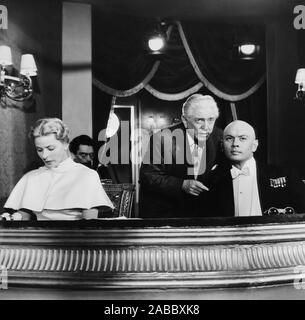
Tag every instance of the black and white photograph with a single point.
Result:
(152, 152)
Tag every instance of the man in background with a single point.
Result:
(82, 149)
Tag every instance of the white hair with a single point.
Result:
(200, 100)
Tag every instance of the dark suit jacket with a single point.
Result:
(221, 196)
(165, 167)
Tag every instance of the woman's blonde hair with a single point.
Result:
(46, 126)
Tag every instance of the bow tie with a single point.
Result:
(236, 172)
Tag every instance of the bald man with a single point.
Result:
(244, 187)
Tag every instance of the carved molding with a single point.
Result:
(159, 257)
(155, 259)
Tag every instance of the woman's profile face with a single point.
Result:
(51, 151)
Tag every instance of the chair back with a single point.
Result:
(121, 195)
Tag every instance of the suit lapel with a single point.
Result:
(222, 195)
(184, 152)
(229, 207)
(180, 148)
(210, 151)
(208, 155)
(262, 184)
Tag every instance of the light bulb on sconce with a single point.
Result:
(28, 66)
(16, 88)
(300, 81)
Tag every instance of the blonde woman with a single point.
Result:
(60, 190)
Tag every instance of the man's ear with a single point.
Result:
(254, 145)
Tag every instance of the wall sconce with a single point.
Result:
(300, 81)
(16, 88)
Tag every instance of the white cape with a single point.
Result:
(70, 185)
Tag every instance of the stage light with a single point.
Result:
(157, 37)
(247, 49)
(156, 42)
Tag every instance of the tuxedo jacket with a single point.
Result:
(221, 195)
(165, 166)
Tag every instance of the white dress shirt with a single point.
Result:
(246, 197)
(197, 154)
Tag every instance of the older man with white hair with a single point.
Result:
(172, 174)
(243, 186)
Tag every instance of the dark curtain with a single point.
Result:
(121, 61)
(254, 111)
(175, 73)
(212, 47)
(119, 57)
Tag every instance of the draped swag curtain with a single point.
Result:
(198, 59)
(197, 54)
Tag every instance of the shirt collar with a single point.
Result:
(64, 165)
(192, 143)
(250, 163)
(190, 140)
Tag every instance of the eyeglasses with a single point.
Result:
(276, 211)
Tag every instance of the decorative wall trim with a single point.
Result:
(155, 259)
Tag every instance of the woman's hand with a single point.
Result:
(25, 216)
(16, 216)
(5, 216)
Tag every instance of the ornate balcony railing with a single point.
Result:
(153, 254)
